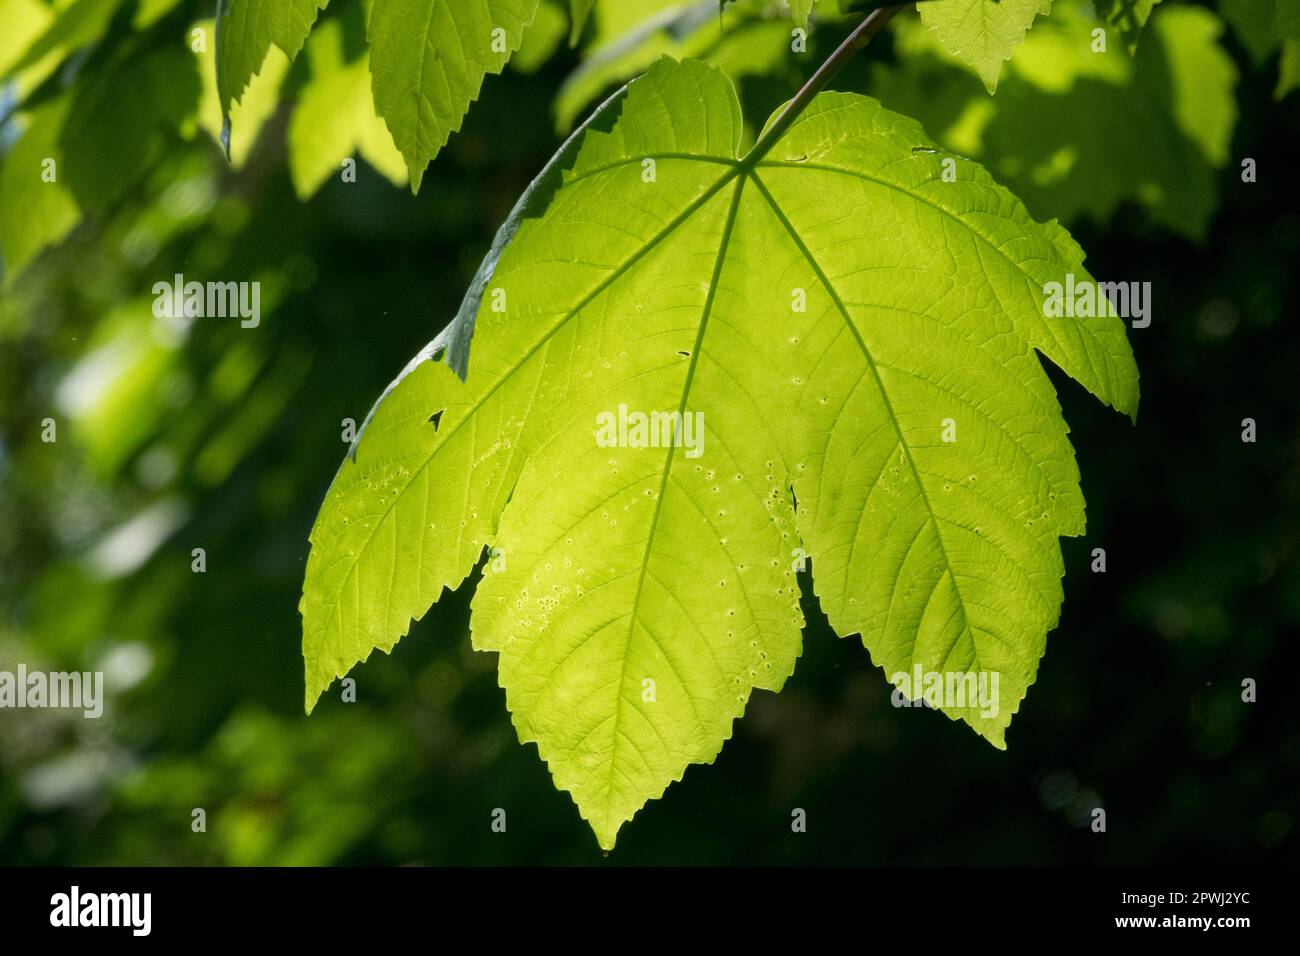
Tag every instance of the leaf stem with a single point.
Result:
(854, 42)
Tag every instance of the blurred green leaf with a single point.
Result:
(35, 209)
(1288, 73)
(1128, 17)
(107, 146)
(80, 25)
(541, 39)
(579, 11)
(24, 21)
(1064, 113)
(629, 38)
(335, 116)
(982, 33)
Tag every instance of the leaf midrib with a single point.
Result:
(884, 394)
(719, 261)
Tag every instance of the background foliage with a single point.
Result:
(175, 436)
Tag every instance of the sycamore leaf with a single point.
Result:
(848, 343)
(246, 29)
(982, 33)
(428, 59)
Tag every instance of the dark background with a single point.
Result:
(1137, 707)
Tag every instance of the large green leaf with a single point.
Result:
(428, 59)
(982, 33)
(637, 595)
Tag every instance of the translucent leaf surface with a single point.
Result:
(852, 344)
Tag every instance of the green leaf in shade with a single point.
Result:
(1288, 71)
(1254, 22)
(335, 117)
(1264, 26)
(25, 21)
(246, 29)
(238, 130)
(1063, 113)
(1286, 19)
(982, 33)
(1127, 17)
(108, 148)
(542, 39)
(828, 307)
(428, 59)
(579, 11)
(35, 213)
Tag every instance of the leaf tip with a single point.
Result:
(311, 695)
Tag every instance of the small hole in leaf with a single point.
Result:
(436, 417)
(683, 354)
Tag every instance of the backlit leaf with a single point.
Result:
(833, 311)
(428, 59)
(246, 30)
(982, 33)
(335, 117)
